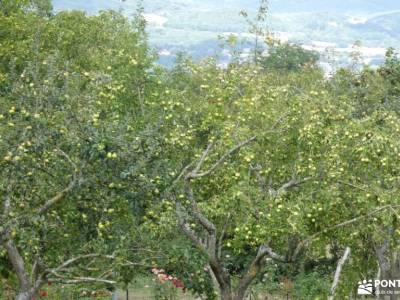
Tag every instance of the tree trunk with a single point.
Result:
(391, 271)
(389, 264)
(114, 295)
(240, 294)
(222, 277)
(377, 291)
(336, 278)
(27, 290)
(24, 296)
(226, 293)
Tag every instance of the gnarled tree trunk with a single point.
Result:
(208, 240)
(24, 296)
(226, 293)
(26, 290)
(389, 264)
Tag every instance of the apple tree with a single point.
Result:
(75, 140)
(273, 166)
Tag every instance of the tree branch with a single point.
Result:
(192, 235)
(380, 251)
(253, 270)
(291, 184)
(305, 242)
(77, 280)
(78, 258)
(339, 268)
(57, 277)
(37, 267)
(267, 188)
(207, 224)
(18, 265)
(271, 253)
(195, 173)
(184, 170)
(221, 275)
(6, 206)
(200, 162)
(3, 217)
(59, 197)
(221, 236)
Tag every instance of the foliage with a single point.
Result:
(311, 286)
(72, 124)
(112, 165)
(287, 57)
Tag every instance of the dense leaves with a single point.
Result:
(110, 160)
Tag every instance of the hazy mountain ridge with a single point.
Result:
(193, 26)
(333, 5)
(388, 23)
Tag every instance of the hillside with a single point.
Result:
(365, 6)
(194, 27)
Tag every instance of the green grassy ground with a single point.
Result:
(143, 288)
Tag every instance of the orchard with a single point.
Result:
(260, 177)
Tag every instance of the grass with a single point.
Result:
(143, 288)
(138, 295)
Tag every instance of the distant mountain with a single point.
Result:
(91, 6)
(193, 26)
(333, 5)
(388, 23)
(276, 6)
